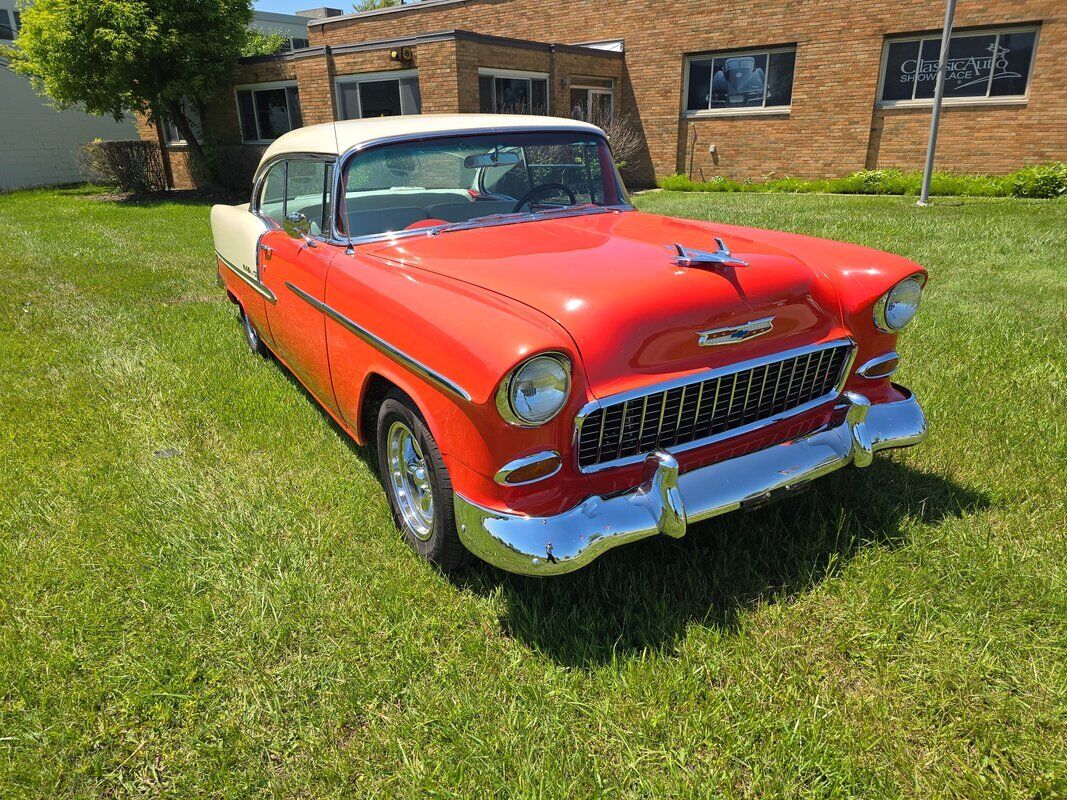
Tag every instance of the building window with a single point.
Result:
(752, 81)
(506, 91)
(297, 44)
(173, 136)
(592, 98)
(7, 31)
(268, 110)
(379, 94)
(982, 65)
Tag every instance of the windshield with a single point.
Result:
(411, 186)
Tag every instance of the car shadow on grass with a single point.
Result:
(643, 597)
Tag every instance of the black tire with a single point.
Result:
(440, 543)
(252, 337)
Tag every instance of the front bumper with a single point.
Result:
(667, 502)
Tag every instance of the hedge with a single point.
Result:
(1045, 181)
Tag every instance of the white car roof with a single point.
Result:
(339, 137)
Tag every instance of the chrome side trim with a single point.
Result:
(257, 287)
(870, 368)
(502, 474)
(381, 345)
(700, 377)
(667, 502)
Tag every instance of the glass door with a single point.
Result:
(592, 99)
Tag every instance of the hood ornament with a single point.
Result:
(720, 258)
(732, 334)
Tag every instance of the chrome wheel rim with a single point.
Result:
(410, 478)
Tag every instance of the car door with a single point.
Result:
(293, 268)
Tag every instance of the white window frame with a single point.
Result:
(492, 72)
(365, 77)
(1009, 99)
(197, 126)
(590, 90)
(261, 87)
(733, 112)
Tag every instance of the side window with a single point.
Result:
(300, 186)
(307, 192)
(272, 196)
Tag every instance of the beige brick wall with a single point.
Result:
(832, 128)
(839, 47)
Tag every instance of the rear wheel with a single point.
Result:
(255, 343)
(417, 483)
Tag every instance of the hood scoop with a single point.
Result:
(722, 257)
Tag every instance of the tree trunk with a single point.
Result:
(177, 116)
(203, 175)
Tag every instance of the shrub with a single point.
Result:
(681, 183)
(128, 165)
(1046, 180)
(226, 166)
(626, 140)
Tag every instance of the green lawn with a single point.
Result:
(201, 591)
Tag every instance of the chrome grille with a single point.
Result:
(727, 401)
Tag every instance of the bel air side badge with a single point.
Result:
(733, 334)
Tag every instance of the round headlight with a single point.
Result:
(898, 306)
(536, 390)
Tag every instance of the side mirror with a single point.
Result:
(296, 225)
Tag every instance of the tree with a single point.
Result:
(260, 43)
(372, 5)
(115, 57)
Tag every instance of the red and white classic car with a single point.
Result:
(545, 371)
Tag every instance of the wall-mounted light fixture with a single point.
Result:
(401, 54)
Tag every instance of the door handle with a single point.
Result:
(267, 249)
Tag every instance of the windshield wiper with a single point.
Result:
(515, 215)
(470, 223)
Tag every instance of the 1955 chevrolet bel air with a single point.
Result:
(545, 371)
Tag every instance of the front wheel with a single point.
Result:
(417, 483)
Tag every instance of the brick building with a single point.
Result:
(760, 89)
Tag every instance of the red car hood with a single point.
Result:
(611, 280)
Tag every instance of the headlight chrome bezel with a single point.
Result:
(506, 407)
(881, 320)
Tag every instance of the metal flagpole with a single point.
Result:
(939, 91)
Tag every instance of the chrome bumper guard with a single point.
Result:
(667, 502)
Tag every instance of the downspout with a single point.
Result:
(692, 148)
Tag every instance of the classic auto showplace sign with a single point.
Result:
(961, 73)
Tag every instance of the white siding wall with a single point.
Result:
(37, 142)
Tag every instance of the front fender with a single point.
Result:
(859, 276)
(432, 325)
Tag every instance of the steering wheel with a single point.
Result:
(544, 188)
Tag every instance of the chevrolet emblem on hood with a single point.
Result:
(735, 333)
